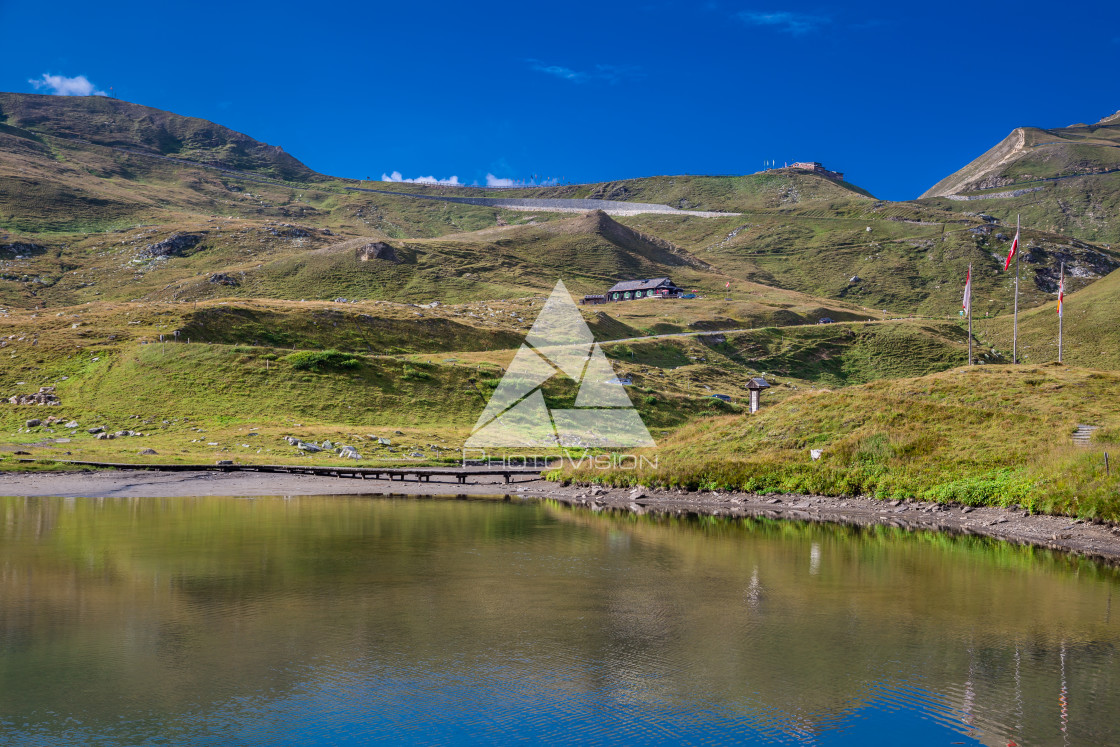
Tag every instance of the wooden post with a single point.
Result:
(1015, 324)
(968, 292)
(1107, 471)
(1061, 313)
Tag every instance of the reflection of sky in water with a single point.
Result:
(347, 620)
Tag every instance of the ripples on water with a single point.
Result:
(330, 620)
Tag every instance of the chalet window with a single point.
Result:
(626, 295)
(616, 296)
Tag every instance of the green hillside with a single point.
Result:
(236, 365)
(901, 257)
(979, 435)
(105, 121)
(1091, 335)
(1064, 180)
(762, 191)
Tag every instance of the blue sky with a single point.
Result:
(897, 96)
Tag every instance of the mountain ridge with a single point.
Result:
(114, 123)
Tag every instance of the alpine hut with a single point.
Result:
(628, 290)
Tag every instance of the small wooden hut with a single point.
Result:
(755, 387)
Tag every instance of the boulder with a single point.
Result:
(96, 430)
(147, 452)
(45, 396)
(377, 250)
(220, 278)
(349, 452)
(309, 448)
(34, 422)
(72, 424)
(289, 231)
(173, 246)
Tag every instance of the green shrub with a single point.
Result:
(411, 373)
(323, 360)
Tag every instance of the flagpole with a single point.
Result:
(970, 314)
(1061, 311)
(1015, 324)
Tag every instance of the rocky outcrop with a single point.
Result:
(19, 249)
(289, 231)
(45, 396)
(377, 250)
(220, 278)
(174, 245)
(995, 195)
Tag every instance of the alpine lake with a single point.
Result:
(351, 620)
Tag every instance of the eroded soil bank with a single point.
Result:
(1100, 541)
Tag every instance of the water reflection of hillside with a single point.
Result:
(158, 611)
(825, 620)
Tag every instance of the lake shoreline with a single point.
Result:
(1075, 536)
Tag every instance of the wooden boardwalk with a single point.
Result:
(419, 474)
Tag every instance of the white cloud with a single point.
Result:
(60, 85)
(565, 73)
(497, 181)
(608, 73)
(795, 24)
(397, 176)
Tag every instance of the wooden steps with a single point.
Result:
(1084, 435)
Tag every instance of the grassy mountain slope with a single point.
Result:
(111, 122)
(1071, 178)
(986, 434)
(233, 365)
(590, 251)
(1082, 207)
(902, 257)
(1030, 153)
(764, 190)
(801, 232)
(1091, 335)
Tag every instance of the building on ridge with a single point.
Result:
(817, 168)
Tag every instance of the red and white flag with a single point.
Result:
(1014, 248)
(1061, 290)
(728, 283)
(967, 304)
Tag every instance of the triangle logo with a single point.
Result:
(559, 342)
